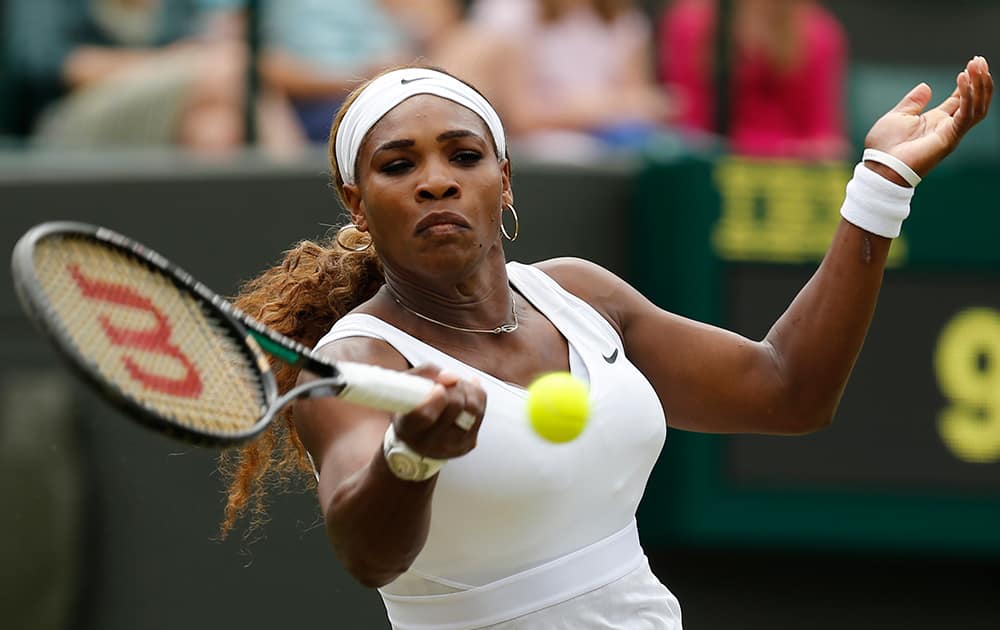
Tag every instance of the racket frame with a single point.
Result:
(37, 305)
(369, 385)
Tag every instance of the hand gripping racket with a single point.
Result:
(167, 350)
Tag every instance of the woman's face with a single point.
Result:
(430, 188)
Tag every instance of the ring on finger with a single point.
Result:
(465, 420)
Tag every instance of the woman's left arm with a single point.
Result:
(816, 341)
(712, 380)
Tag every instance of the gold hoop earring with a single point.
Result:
(349, 248)
(517, 224)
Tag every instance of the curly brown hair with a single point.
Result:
(314, 285)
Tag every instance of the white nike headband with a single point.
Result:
(391, 89)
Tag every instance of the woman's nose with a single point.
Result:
(438, 185)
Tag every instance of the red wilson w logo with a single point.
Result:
(155, 340)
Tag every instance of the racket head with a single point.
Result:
(147, 336)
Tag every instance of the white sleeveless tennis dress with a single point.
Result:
(527, 534)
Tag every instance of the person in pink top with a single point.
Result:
(786, 79)
(580, 73)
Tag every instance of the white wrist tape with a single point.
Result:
(875, 204)
(893, 162)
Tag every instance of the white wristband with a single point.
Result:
(893, 162)
(875, 204)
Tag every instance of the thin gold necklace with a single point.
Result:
(502, 328)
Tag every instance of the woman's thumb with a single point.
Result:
(914, 102)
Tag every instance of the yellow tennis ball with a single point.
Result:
(558, 406)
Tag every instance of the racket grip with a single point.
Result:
(381, 388)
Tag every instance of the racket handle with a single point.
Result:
(381, 388)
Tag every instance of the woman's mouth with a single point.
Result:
(440, 222)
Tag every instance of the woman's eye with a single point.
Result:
(396, 166)
(467, 157)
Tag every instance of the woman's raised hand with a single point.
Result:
(922, 139)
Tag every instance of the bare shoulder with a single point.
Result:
(580, 276)
(603, 290)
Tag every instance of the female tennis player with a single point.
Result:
(460, 515)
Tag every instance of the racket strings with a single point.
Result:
(158, 344)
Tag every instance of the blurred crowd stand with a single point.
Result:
(573, 80)
(92, 73)
(174, 72)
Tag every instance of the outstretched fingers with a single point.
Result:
(975, 88)
(923, 138)
(963, 115)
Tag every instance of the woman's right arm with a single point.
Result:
(377, 522)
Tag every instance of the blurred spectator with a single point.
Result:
(125, 73)
(442, 36)
(582, 75)
(786, 78)
(317, 51)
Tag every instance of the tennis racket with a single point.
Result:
(164, 348)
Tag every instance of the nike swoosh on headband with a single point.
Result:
(405, 81)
